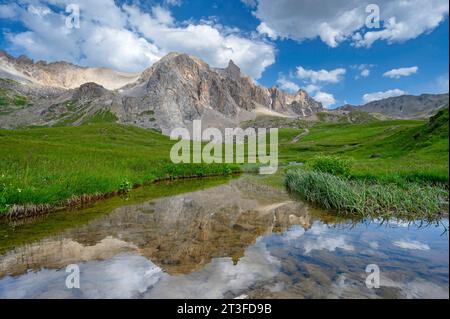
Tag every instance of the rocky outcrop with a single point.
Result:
(60, 74)
(181, 88)
(171, 93)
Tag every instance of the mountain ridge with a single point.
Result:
(404, 106)
(171, 93)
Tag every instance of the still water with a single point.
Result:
(236, 239)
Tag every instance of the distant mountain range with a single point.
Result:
(405, 106)
(172, 93)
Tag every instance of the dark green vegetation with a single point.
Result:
(51, 165)
(11, 100)
(400, 168)
(332, 165)
(388, 151)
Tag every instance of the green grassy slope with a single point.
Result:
(414, 150)
(48, 165)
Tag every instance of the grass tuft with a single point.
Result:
(363, 198)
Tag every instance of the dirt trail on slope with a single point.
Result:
(298, 137)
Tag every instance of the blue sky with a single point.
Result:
(323, 46)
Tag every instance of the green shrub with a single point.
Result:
(332, 165)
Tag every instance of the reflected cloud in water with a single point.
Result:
(240, 239)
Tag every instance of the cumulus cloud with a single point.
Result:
(333, 76)
(365, 73)
(363, 70)
(326, 99)
(314, 80)
(8, 11)
(398, 73)
(344, 20)
(311, 88)
(370, 97)
(127, 38)
(287, 85)
(265, 30)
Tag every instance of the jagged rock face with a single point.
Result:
(170, 94)
(182, 88)
(89, 91)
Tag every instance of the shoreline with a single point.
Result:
(18, 212)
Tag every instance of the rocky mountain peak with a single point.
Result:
(173, 92)
(233, 70)
(23, 59)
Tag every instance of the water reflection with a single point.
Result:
(239, 239)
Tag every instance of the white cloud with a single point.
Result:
(265, 30)
(311, 88)
(128, 39)
(314, 80)
(324, 241)
(411, 245)
(398, 73)
(174, 2)
(330, 244)
(365, 73)
(363, 70)
(326, 99)
(370, 97)
(344, 20)
(287, 85)
(333, 76)
(8, 11)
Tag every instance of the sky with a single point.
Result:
(339, 51)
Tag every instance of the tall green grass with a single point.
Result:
(51, 165)
(363, 198)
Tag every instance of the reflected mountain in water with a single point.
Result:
(180, 234)
(240, 239)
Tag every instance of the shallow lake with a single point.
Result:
(220, 239)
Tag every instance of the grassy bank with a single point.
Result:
(382, 168)
(48, 166)
(41, 226)
(364, 198)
